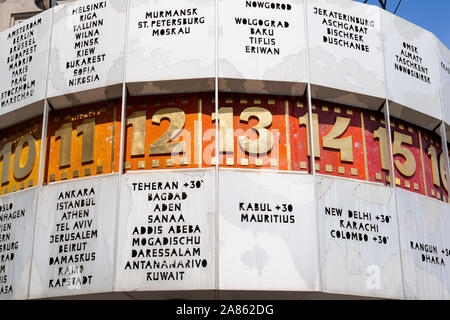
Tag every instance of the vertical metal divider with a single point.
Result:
(387, 120)
(447, 164)
(393, 186)
(311, 144)
(121, 148)
(216, 146)
(442, 126)
(41, 155)
(43, 143)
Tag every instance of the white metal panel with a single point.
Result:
(425, 245)
(74, 238)
(443, 56)
(411, 72)
(170, 41)
(24, 51)
(87, 52)
(166, 231)
(261, 44)
(346, 52)
(359, 246)
(16, 229)
(267, 232)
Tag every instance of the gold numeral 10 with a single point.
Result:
(64, 133)
(19, 171)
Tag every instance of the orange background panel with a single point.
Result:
(208, 129)
(192, 105)
(417, 178)
(276, 158)
(14, 134)
(327, 114)
(434, 191)
(372, 121)
(298, 135)
(106, 141)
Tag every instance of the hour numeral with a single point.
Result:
(344, 145)
(64, 134)
(177, 118)
(434, 165)
(19, 171)
(5, 154)
(226, 140)
(264, 143)
(381, 135)
(87, 130)
(303, 120)
(265, 140)
(137, 120)
(408, 167)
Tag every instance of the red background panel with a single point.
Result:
(327, 114)
(299, 135)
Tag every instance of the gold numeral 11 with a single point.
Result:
(64, 133)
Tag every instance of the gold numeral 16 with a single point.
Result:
(438, 171)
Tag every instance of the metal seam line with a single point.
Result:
(121, 148)
(216, 140)
(442, 129)
(41, 157)
(387, 120)
(312, 156)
